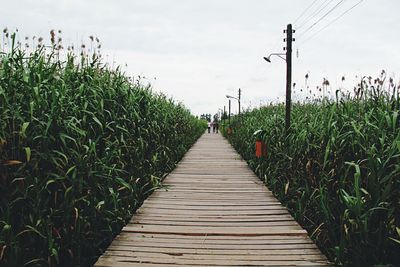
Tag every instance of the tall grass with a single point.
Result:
(81, 146)
(338, 169)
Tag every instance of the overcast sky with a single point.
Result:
(201, 50)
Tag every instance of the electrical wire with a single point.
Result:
(321, 18)
(315, 12)
(302, 14)
(318, 10)
(331, 22)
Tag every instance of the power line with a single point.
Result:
(321, 18)
(307, 8)
(315, 13)
(318, 10)
(331, 22)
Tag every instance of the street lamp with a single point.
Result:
(288, 58)
(238, 99)
(268, 59)
(228, 96)
(229, 114)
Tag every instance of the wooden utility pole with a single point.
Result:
(289, 39)
(224, 116)
(229, 115)
(239, 100)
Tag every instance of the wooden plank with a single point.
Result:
(185, 206)
(112, 260)
(233, 231)
(201, 251)
(212, 210)
(277, 211)
(207, 256)
(260, 240)
(220, 246)
(213, 223)
(192, 218)
(209, 202)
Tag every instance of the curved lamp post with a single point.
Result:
(237, 98)
(268, 59)
(288, 58)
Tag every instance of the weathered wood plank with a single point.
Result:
(114, 261)
(216, 239)
(222, 246)
(208, 256)
(200, 251)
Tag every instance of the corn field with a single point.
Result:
(337, 170)
(81, 146)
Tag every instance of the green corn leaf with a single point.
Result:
(23, 129)
(124, 184)
(98, 121)
(27, 153)
(31, 229)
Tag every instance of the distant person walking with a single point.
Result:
(213, 125)
(216, 126)
(209, 126)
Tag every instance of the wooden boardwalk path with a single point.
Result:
(214, 211)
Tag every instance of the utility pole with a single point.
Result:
(239, 100)
(289, 39)
(229, 115)
(224, 115)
